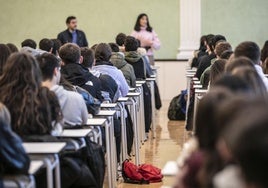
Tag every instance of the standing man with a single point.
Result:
(73, 35)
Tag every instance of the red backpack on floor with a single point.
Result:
(143, 174)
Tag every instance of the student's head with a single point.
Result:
(214, 40)
(206, 119)
(221, 47)
(93, 47)
(50, 67)
(250, 50)
(216, 70)
(226, 54)
(264, 51)
(114, 47)
(143, 21)
(46, 45)
(56, 46)
(4, 54)
(238, 62)
(209, 42)
(103, 52)
(131, 44)
(4, 114)
(120, 39)
(12, 47)
(247, 139)
(233, 83)
(88, 57)
(70, 53)
(29, 43)
(202, 42)
(254, 81)
(71, 23)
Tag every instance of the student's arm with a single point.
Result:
(13, 157)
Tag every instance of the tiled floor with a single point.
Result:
(165, 147)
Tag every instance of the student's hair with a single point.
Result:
(209, 41)
(70, 53)
(131, 44)
(93, 47)
(226, 54)
(233, 83)
(120, 39)
(47, 63)
(264, 51)
(238, 62)
(205, 117)
(202, 42)
(247, 139)
(216, 70)
(29, 42)
(4, 54)
(56, 46)
(22, 94)
(46, 44)
(69, 18)
(4, 114)
(250, 50)
(12, 47)
(221, 47)
(88, 57)
(103, 52)
(114, 47)
(214, 40)
(137, 26)
(251, 76)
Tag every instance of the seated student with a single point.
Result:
(72, 104)
(46, 45)
(56, 47)
(246, 137)
(103, 54)
(77, 74)
(108, 84)
(14, 159)
(216, 70)
(119, 40)
(12, 47)
(37, 114)
(118, 60)
(134, 58)
(252, 51)
(20, 86)
(4, 54)
(29, 43)
(219, 49)
(200, 52)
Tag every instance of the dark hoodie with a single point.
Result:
(118, 61)
(135, 59)
(78, 75)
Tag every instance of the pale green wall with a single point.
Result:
(100, 19)
(238, 20)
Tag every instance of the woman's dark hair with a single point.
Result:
(21, 92)
(264, 51)
(4, 54)
(103, 52)
(12, 47)
(216, 70)
(88, 57)
(137, 26)
(202, 42)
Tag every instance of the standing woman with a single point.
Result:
(146, 35)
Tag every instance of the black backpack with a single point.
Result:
(177, 107)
